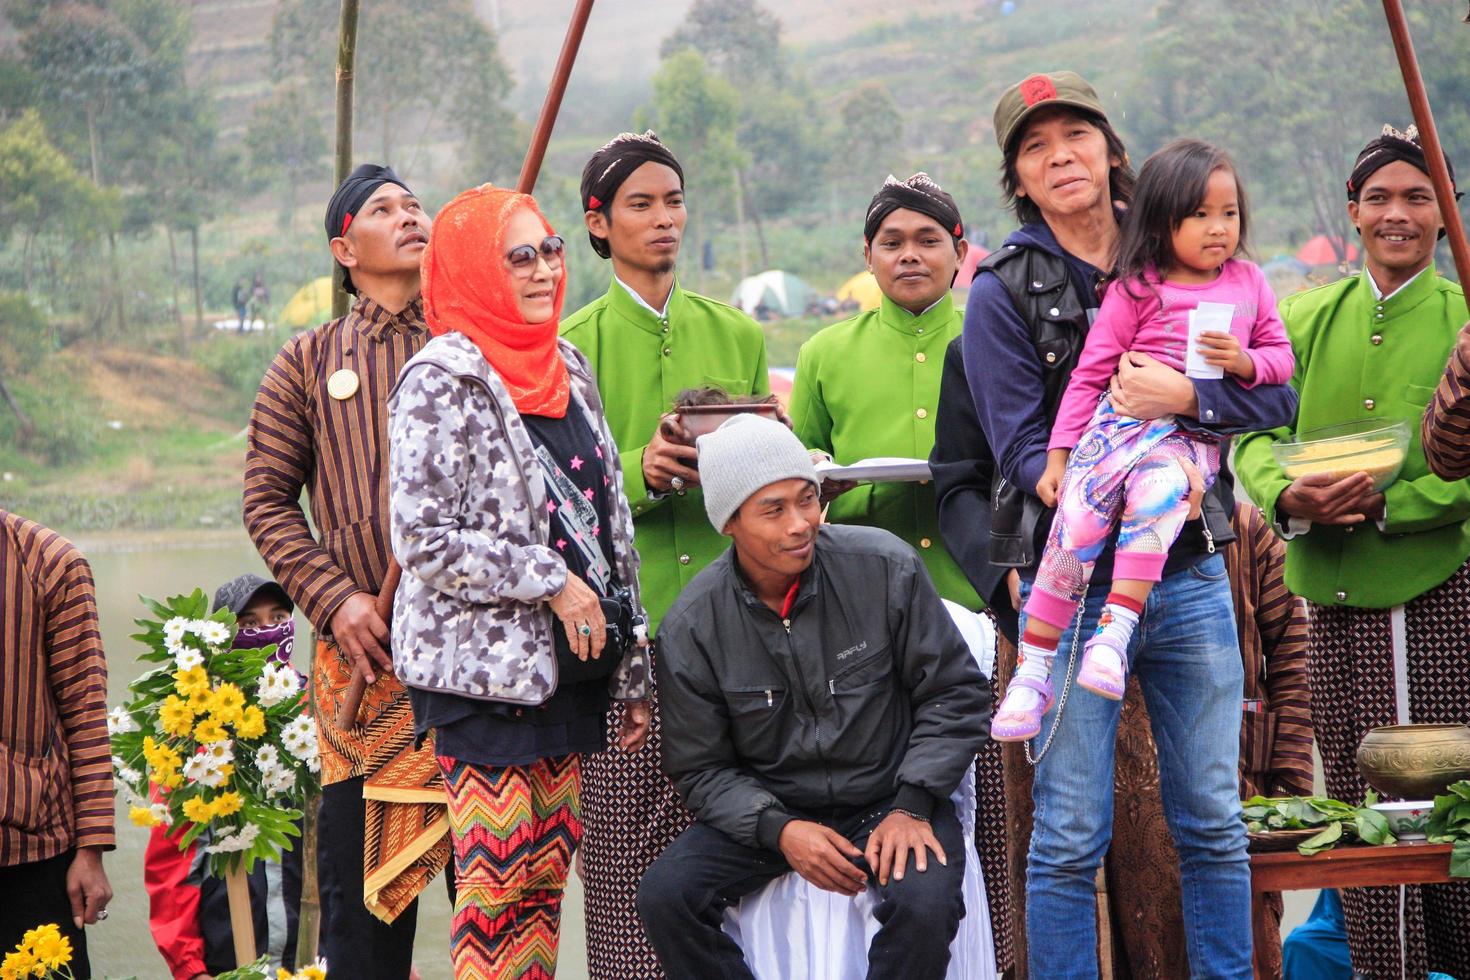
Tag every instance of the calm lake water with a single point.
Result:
(162, 565)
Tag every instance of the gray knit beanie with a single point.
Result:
(746, 453)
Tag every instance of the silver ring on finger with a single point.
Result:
(678, 484)
(101, 914)
(585, 630)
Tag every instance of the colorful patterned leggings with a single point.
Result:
(1127, 472)
(514, 829)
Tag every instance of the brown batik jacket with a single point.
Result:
(336, 448)
(55, 763)
(1446, 426)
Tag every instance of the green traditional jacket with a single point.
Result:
(1361, 358)
(869, 386)
(641, 361)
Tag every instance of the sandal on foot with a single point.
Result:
(1103, 680)
(1015, 725)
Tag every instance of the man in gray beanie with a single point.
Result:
(821, 709)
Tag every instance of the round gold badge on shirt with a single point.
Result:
(342, 385)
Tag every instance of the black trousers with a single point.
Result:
(355, 942)
(34, 894)
(683, 897)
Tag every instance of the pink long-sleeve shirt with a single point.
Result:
(1157, 322)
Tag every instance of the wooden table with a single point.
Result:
(1359, 866)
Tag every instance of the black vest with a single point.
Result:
(1041, 289)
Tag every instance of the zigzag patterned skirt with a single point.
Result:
(514, 829)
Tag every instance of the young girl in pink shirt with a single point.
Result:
(1179, 240)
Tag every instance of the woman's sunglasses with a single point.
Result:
(522, 258)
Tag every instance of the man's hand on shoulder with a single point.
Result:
(362, 635)
(823, 857)
(890, 843)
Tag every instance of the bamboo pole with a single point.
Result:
(346, 59)
(549, 109)
(1439, 175)
(308, 930)
(242, 920)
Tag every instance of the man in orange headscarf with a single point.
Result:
(320, 423)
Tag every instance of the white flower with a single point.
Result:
(173, 630)
(220, 753)
(230, 839)
(130, 777)
(299, 737)
(280, 780)
(267, 758)
(161, 814)
(215, 634)
(120, 722)
(277, 683)
(214, 777)
(187, 658)
(196, 769)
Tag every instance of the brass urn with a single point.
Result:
(1414, 762)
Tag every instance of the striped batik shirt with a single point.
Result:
(1276, 726)
(1446, 426)
(55, 764)
(336, 448)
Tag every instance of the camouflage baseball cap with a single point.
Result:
(1041, 91)
(236, 594)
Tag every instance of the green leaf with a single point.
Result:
(1460, 859)
(1372, 827)
(1329, 836)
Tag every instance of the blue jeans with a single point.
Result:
(1187, 658)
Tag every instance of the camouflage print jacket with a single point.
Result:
(471, 530)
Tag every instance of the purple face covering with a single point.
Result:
(283, 635)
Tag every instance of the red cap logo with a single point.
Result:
(1038, 88)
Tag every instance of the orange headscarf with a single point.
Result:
(467, 287)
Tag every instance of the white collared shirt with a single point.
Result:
(661, 314)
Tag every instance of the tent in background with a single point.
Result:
(309, 306)
(967, 267)
(1320, 251)
(863, 290)
(780, 293)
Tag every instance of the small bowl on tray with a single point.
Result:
(1407, 819)
(701, 420)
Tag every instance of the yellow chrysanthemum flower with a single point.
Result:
(175, 715)
(198, 811)
(141, 816)
(193, 681)
(17, 965)
(49, 947)
(227, 703)
(210, 730)
(226, 804)
(251, 724)
(160, 757)
(314, 972)
(168, 779)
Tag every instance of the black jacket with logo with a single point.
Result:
(864, 695)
